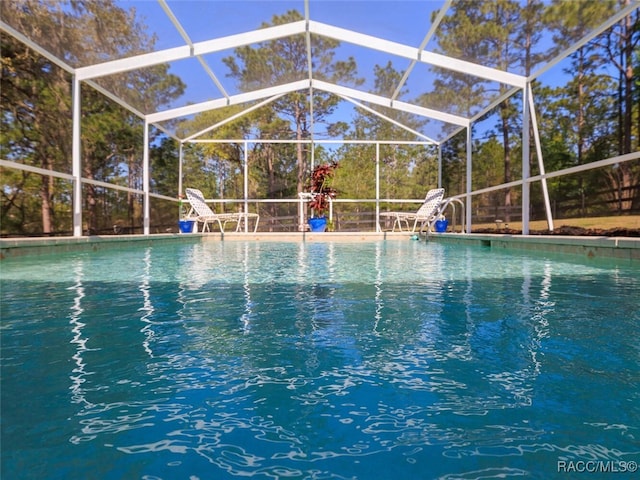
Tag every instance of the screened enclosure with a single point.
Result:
(521, 110)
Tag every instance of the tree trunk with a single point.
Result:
(302, 164)
(271, 179)
(90, 192)
(131, 196)
(507, 158)
(47, 207)
(581, 123)
(624, 186)
(627, 48)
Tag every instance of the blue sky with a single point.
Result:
(404, 22)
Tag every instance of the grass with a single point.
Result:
(604, 223)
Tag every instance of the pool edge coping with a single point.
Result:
(590, 247)
(624, 248)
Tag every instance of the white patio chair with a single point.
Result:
(427, 214)
(201, 212)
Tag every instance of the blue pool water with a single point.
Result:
(390, 360)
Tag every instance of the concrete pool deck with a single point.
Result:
(626, 249)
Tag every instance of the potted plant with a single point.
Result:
(318, 185)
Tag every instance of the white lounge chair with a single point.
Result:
(426, 215)
(201, 212)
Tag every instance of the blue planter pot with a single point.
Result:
(318, 224)
(441, 225)
(186, 226)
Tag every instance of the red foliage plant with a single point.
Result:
(318, 186)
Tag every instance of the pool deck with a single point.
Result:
(620, 248)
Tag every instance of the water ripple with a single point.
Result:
(234, 359)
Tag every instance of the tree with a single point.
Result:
(587, 95)
(620, 44)
(271, 172)
(36, 101)
(285, 60)
(399, 163)
(37, 95)
(485, 33)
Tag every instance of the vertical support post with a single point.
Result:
(439, 147)
(301, 204)
(526, 167)
(300, 213)
(145, 180)
(246, 186)
(469, 205)
(536, 138)
(330, 211)
(76, 161)
(378, 228)
(180, 162)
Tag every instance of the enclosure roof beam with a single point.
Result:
(185, 36)
(390, 120)
(233, 117)
(225, 102)
(628, 10)
(115, 98)
(35, 47)
(301, 85)
(482, 112)
(434, 26)
(386, 102)
(413, 53)
(298, 28)
(186, 51)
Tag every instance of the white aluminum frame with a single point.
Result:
(307, 27)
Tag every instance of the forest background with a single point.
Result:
(594, 115)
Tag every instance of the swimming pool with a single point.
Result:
(390, 359)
